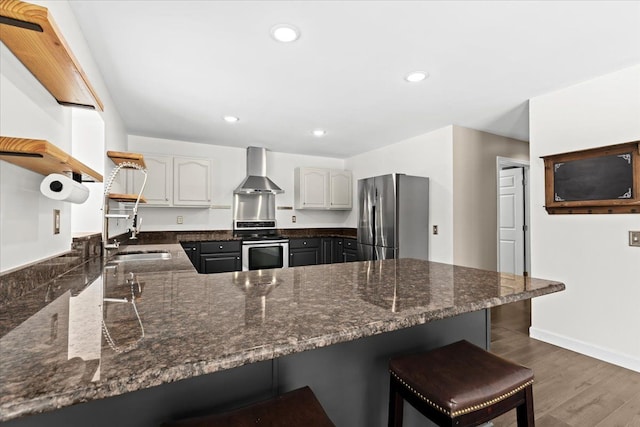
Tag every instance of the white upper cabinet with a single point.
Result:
(340, 189)
(191, 182)
(157, 190)
(320, 188)
(173, 181)
(311, 188)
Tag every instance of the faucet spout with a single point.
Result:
(114, 245)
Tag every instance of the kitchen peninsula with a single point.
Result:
(194, 343)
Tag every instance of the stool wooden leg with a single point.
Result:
(396, 405)
(525, 411)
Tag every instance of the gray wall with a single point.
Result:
(475, 194)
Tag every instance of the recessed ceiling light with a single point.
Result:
(416, 76)
(285, 33)
(319, 132)
(230, 119)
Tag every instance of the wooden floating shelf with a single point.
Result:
(30, 32)
(126, 198)
(44, 158)
(119, 157)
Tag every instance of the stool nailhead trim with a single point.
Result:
(465, 410)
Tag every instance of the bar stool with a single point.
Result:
(460, 385)
(293, 409)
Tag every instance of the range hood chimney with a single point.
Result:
(256, 180)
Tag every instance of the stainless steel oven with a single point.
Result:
(262, 247)
(265, 253)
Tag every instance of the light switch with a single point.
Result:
(56, 221)
(179, 220)
(634, 238)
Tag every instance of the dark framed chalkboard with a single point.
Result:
(598, 180)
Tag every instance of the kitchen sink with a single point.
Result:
(141, 256)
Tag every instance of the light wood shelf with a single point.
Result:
(126, 198)
(30, 32)
(119, 157)
(44, 158)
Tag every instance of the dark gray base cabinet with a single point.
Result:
(304, 252)
(226, 255)
(325, 250)
(344, 250)
(220, 256)
(220, 263)
(192, 249)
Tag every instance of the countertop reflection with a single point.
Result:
(140, 324)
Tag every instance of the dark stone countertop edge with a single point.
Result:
(155, 377)
(159, 237)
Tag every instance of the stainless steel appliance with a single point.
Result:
(254, 216)
(262, 247)
(256, 180)
(393, 217)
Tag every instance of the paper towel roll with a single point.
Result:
(60, 187)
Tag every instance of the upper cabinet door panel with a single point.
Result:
(322, 188)
(157, 190)
(191, 182)
(340, 189)
(313, 188)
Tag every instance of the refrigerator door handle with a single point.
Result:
(373, 223)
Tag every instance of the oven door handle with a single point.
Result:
(264, 243)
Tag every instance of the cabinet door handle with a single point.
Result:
(220, 246)
(304, 243)
(237, 257)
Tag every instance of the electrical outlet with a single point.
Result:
(634, 238)
(179, 219)
(56, 221)
(293, 218)
(435, 229)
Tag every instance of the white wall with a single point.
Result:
(429, 155)
(599, 313)
(87, 143)
(27, 110)
(229, 169)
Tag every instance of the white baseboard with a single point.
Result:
(624, 360)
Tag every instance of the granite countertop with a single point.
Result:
(80, 337)
(163, 237)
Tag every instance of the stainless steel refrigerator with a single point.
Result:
(393, 217)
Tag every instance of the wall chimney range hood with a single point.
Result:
(257, 181)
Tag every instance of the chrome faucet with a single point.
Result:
(114, 245)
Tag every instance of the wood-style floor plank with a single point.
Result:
(570, 389)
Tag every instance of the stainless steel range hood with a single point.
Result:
(257, 181)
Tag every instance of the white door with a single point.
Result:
(512, 221)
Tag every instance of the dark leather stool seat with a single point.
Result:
(296, 408)
(460, 385)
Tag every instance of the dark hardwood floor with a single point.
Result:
(570, 389)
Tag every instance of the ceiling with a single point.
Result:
(175, 68)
